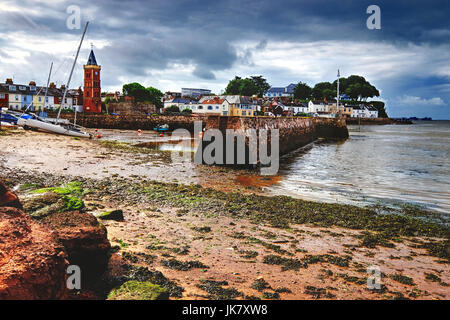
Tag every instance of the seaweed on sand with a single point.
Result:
(183, 265)
(281, 211)
(142, 274)
(216, 290)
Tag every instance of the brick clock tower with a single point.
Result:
(92, 91)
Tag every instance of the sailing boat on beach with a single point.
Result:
(57, 125)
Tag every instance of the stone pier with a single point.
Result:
(294, 132)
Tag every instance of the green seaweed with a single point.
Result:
(135, 290)
(402, 279)
(216, 290)
(286, 263)
(260, 285)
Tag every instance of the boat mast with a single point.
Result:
(46, 88)
(71, 72)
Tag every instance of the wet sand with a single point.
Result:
(224, 244)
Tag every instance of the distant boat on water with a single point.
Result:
(161, 127)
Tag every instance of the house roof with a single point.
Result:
(180, 100)
(288, 89)
(215, 100)
(236, 99)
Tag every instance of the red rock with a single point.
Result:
(85, 241)
(33, 262)
(7, 198)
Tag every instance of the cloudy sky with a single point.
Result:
(204, 43)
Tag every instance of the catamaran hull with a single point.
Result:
(49, 127)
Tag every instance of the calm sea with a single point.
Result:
(390, 164)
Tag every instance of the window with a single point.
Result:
(200, 107)
(210, 107)
(17, 97)
(32, 88)
(2, 96)
(217, 107)
(22, 88)
(40, 99)
(12, 88)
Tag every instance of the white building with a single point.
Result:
(364, 112)
(317, 107)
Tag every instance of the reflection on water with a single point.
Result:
(390, 164)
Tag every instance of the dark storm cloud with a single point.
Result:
(152, 34)
(145, 38)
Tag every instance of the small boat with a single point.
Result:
(161, 127)
(62, 126)
(8, 119)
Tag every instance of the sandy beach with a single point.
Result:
(198, 240)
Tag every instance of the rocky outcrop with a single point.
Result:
(33, 262)
(85, 241)
(116, 215)
(7, 198)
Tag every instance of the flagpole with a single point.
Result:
(337, 106)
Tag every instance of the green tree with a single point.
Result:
(358, 88)
(248, 88)
(243, 87)
(137, 91)
(154, 96)
(319, 93)
(262, 85)
(302, 91)
(233, 86)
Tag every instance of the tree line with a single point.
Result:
(356, 87)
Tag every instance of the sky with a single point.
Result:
(203, 44)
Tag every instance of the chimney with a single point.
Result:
(52, 85)
(9, 81)
(32, 83)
